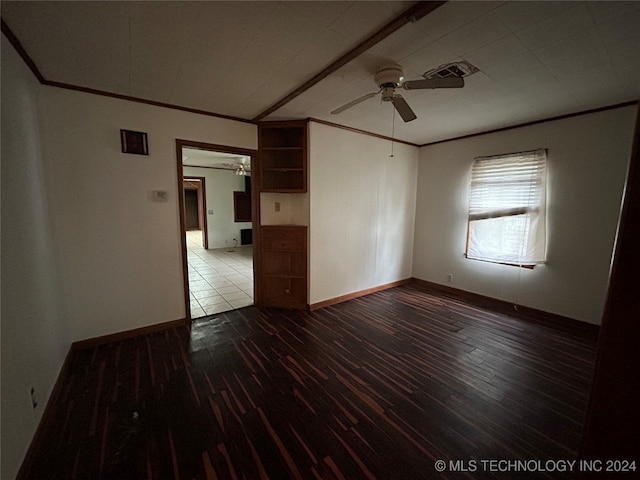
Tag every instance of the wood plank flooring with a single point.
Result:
(377, 387)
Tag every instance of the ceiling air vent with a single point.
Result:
(454, 69)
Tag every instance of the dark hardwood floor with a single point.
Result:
(377, 387)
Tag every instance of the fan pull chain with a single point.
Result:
(393, 129)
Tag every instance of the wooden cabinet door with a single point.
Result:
(283, 254)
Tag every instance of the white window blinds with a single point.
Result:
(507, 207)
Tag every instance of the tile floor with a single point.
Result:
(220, 279)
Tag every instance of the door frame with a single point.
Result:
(201, 191)
(255, 209)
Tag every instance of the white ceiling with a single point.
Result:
(536, 59)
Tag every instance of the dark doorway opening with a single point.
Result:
(194, 195)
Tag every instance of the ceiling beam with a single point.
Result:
(413, 14)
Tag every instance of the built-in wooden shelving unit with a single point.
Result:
(283, 156)
(282, 249)
(284, 265)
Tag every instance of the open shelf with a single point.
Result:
(283, 135)
(283, 156)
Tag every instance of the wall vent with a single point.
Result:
(454, 69)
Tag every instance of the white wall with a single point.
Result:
(587, 158)
(35, 337)
(293, 208)
(362, 209)
(220, 185)
(122, 266)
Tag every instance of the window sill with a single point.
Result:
(527, 266)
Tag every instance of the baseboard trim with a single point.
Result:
(522, 311)
(45, 420)
(116, 337)
(360, 293)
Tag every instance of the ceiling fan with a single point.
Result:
(240, 167)
(389, 78)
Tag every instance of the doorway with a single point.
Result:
(195, 206)
(217, 242)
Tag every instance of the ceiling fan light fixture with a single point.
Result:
(389, 76)
(388, 93)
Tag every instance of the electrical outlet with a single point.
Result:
(450, 277)
(34, 400)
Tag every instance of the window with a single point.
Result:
(507, 207)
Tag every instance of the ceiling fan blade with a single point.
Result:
(354, 102)
(403, 108)
(448, 82)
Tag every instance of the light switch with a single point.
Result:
(277, 206)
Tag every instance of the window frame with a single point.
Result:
(539, 208)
